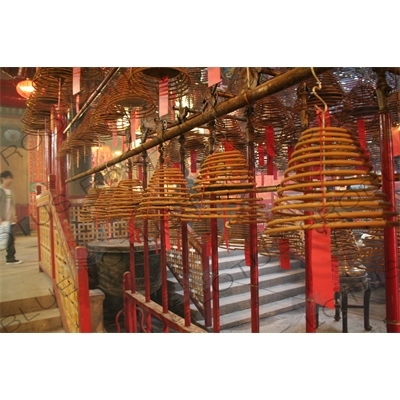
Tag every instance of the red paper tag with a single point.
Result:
(133, 125)
(163, 97)
(396, 141)
(321, 267)
(261, 155)
(284, 253)
(213, 75)
(193, 161)
(290, 152)
(262, 178)
(361, 133)
(166, 231)
(76, 80)
(270, 140)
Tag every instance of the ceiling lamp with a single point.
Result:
(25, 88)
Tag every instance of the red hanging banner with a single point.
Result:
(213, 75)
(321, 267)
(163, 97)
(284, 253)
(193, 161)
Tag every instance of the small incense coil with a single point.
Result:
(394, 106)
(237, 235)
(221, 189)
(53, 85)
(132, 97)
(363, 101)
(345, 250)
(197, 142)
(87, 212)
(93, 128)
(35, 123)
(323, 162)
(125, 199)
(331, 92)
(167, 192)
(172, 151)
(149, 77)
(115, 116)
(269, 111)
(103, 203)
(198, 82)
(229, 129)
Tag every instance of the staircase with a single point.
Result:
(37, 314)
(280, 290)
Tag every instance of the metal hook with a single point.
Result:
(319, 86)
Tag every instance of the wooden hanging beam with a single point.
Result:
(272, 86)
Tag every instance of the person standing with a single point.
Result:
(7, 213)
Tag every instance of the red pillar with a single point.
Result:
(254, 281)
(390, 233)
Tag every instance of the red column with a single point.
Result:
(390, 233)
(254, 280)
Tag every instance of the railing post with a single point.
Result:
(38, 192)
(83, 289)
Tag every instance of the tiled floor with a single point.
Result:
(25, 280)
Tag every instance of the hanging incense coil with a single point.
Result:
(103, 203)
(149, 77)
(198, 142)
(115, 116)
(172, 151)
(344, 249)
(394, 106)
(198, 82)
(228, 129)
(53, 85)
(132, 97)
(334, 180)
(237, 237)
(92, 128)
(222, 190)
(167, 192)
(87, 212)
(35, 123)
(331, 92)
(363, 101)
(125, 199)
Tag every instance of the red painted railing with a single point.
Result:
(63, 261)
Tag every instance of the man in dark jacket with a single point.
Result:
(7, 213)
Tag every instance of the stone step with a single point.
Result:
(32, 322)
(242, 301)
(237, 274)
(27, 305)
(242, 317)
(233, 287)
